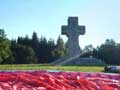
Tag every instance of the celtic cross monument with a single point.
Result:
(72, 31)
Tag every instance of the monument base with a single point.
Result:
(77, 60)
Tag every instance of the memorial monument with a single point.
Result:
(72, 31)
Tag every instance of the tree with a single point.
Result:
(35, 44)
(88, 48)
(110, 42)
(4, 46)
(109, 52)
(51, 47)
(2, 34)
(60, 50)
(24, 41)
(43, 48)
(35, 41)
(20, 40)
(23, 54)
(87, 51)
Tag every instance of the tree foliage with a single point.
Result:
(4, 46)
(23, 54)
(36, 50)
(60, 50)
(108, 52)
(25, 50)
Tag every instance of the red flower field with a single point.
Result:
(44, 80)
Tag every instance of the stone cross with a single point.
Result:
(72, 31)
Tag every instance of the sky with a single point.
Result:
(101, 18)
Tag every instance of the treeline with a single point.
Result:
(25, 50)
(109, 52)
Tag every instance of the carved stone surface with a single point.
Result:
(72, 31)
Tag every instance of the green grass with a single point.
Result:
(51, 67)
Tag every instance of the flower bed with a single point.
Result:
(44, 80)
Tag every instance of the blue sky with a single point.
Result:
(101, 18)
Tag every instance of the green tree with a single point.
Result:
(23, 54)
(43, 48)
(88, 51)
(51, 47)
(20, 40)
(35, 41)
(110, 42)
(4, 47)
(109, 52)
(60, 50)
(24, 41)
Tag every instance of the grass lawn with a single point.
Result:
(51, 67)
